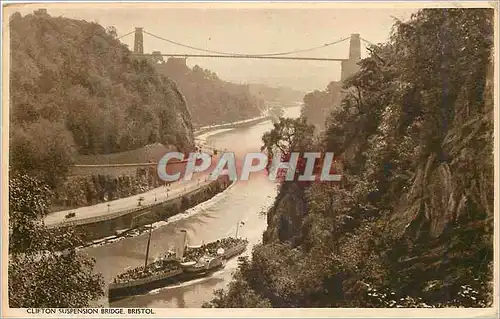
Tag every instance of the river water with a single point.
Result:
(244, 201)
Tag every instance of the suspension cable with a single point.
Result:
(243, 54)
(125, 35)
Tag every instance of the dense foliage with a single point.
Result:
(44, 268)
(75, 88)
(411, 225)
(80, 191)
(210, 99)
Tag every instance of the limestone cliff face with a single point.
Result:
(183, 118)
(284, 219)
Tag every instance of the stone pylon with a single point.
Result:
(138, 41)
(350, 66)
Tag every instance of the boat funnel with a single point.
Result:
(182, 244)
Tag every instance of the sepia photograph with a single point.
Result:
(249, 155)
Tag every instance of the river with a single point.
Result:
(245, 201)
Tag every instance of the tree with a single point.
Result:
(43, 149)
(276, 111)
(44, 268)
(289, 135)
(240, 294)
(111, 30)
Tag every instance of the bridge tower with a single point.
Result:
(138, 41)
(349, 67)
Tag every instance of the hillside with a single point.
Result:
(210, 99)
(76, 90)
(146, 154)
(411, 223)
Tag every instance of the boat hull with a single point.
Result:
(191, 275)
(141, 286)
(117, 291)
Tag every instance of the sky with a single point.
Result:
(250, 29)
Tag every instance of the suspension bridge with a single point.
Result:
(349, 65)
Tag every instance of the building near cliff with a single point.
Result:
(41, 12)
(157, 57)
(177, 66)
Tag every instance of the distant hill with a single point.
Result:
(76, 89)
(210, 99)
(283, 95)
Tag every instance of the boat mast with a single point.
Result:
(238, 225)
(147, 247)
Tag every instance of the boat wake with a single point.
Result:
(186, 283)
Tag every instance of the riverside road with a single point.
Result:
(153, 196)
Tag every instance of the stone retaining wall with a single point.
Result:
(104, 227)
